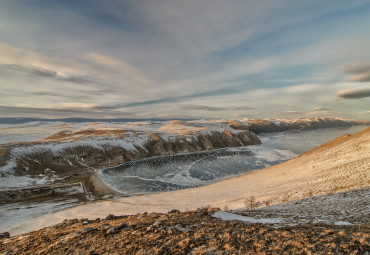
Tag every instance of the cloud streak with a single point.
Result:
(120, 67)
(46, 74)
(293, 112)
(360, 72)
(215, 109)
(90, 111)
(207, 57)
(321, 109)
(353, 93)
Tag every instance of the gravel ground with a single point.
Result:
(350, 208)
(193, 232)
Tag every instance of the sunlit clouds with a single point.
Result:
(184, 59)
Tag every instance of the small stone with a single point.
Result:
(116, 229)
(174, 211)
(137, 232)
(182, 229)
(104, 226)
(71, 221)
(157, 223)
(141, 216)
(111, 217)
(86, 230)
(4, 235)
(111, 231)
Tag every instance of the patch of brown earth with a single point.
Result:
(195, 232)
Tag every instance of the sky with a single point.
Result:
(199, 59)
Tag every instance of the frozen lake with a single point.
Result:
(185, 170)
(166, 173)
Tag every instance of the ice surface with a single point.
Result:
(165, 173)
(12, 213)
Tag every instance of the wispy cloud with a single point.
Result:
(321, 109)
(20, 58)
(215, 108)
(46, 73)
(293, 112)
(167, 57)
(353, 93)
(123, 68)
(359, 72)
(89, 112)
(365, 113)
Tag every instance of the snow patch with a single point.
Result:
(231, 216)
(342, 223)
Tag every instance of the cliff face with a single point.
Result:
(158, 146)
(46, 158)
(278, 125)
(73, 157)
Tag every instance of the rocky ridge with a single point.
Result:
(192, 232)
(279, 125)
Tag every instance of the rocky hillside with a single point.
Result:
(73, 157)
(279, 125)
(192, 232)
(68, 151)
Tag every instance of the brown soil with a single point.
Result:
(195, 232)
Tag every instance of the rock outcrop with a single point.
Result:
(278, 125)
(41, 158)
(158, 146)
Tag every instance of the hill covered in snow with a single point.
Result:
(337, 166)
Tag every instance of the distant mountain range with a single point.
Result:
(21, 120)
